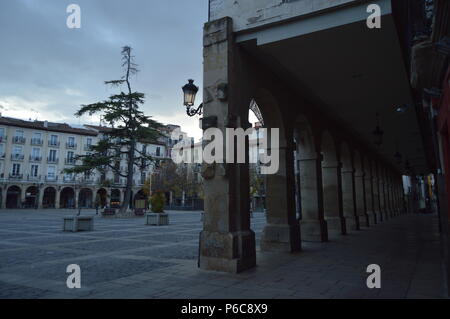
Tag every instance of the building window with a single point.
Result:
(158, 151)
(2, 150)
(17, 150)
(52, 155)
(54, 140)
(34, 170)
(2, 133)
(19, 133)
(16, 169)
(51, 172)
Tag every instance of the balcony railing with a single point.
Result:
(71, 146)
(67, 179)
(3, 138)
(17, 157)
(87, 147)
(70, 161)
(34, 158)
(87, 180)
(37, 141)
(19, 140)
(16, 176)
(52, 160)
(53, 143)
(31, 178)
(51, 178)
(2, 155)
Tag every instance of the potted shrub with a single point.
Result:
(157, 217)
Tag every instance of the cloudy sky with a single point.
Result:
(48, 70)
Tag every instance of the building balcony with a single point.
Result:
(37, 141)
(67, 179)
(117, 181)
(34, 158)
(87, 147)
(16, 176)
(87, 180)
(2, 156)
(53, 143)
(17, 157)
(52, 160)
(70, 161)
(19, 140)
(71, 146)
(33, 178)
(3, 138)
(51, 178)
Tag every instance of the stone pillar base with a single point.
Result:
(352, 222)
(314, 230)
(336, 226)
(284, 238)
(380, 217)
(373, 218)
(364, 220)
(229, 252)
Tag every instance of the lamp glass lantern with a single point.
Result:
(190, 91)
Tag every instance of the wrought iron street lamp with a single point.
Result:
(190, 91)
(378, 133)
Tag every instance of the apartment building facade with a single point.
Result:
(33, 155)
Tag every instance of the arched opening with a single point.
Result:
(281, 230)
(310, 191)
(115, 198)
(13, 195)
(141, 200)
(332, 188)
(49, 198)
(360, 190)
(257, 180)
(86, 198)
(348, 188)
(67, 198)
(31, 197)
(102, 197)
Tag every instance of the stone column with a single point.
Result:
(368, 192)
(389, 195)
(361, 199)
(332, 198)
(382, 188)
(348, 198)
(77, 197)
(4, 193)
(226, 243)
(376, 193)
(23, 195)
(282, 232)
(40, 198)
(313, 224)
(57, 197)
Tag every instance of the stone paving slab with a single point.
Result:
(124, 258)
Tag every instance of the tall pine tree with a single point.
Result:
(128, 126)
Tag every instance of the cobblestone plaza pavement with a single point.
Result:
(123, 258)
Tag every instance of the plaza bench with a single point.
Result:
(157, 219)
(139, 211)
(78, 223)
(108, 212)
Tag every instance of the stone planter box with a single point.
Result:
(108, 212)
(157, 219)
(78, 223)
